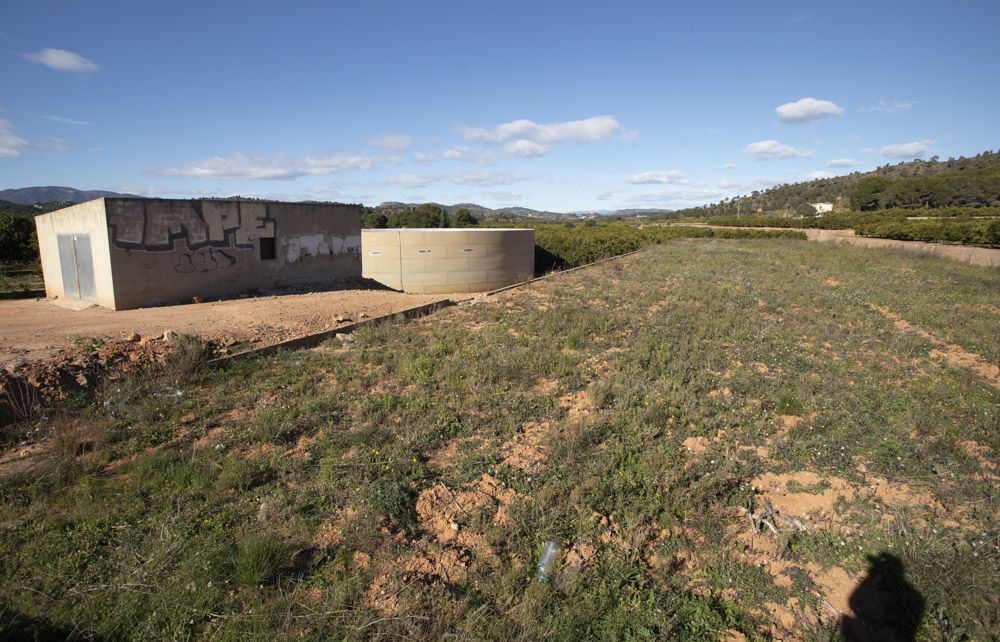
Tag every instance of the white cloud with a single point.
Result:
(761, 182)
(395, 142)
(411, 181)
(505, 198)
(10, 144)
(772, 149)
(55, 144)
(674, 197)
(907, 150)
(421, 158)
(484, 179)
(729, 165)
(671, 176)
(818, 174)
(842, 162)
(67, 121)
(475, 179)
(273, 167)
(462, 153)
(62, 60)
(526, 148)
(807, 109)
(888, 108)
(528, 138)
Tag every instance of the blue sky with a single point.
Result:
(551, 105)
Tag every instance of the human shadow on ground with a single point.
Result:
(885, 605)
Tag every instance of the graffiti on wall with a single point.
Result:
(203, 261)
(306, 245)
(155, 226)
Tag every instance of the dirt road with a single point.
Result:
(983, 256)
(34, 330)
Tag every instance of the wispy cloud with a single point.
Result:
(273, 167)
(526, 148)
(528, 138)
(907, 150)
(421, 158)
(10, 143)
(802, 17)
(773, 150)
(485, 179)
(761, 182)
(474, 179)
(53, 144)
(395, 142)
(842, 162)
(807, 109)
(62, 60)
(729, 165)
(674, 197)
(469, 155)
(505, 198)
(888, 108)
(66, 121)
(671, 176)
(819, 174)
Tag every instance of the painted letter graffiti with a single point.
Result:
(155, 226)
(204, 261)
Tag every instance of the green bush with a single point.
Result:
(17, 238)
(968, 225)
(558, 246)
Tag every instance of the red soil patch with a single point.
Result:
(952, 354)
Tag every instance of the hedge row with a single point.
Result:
(560, 245)
(971, 225)
(967, 231)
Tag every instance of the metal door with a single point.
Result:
(77, 264)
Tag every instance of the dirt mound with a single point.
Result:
(29, 386)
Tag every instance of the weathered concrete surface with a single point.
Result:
(154, 251)
(448, 261)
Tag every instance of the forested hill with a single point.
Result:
(955, 182)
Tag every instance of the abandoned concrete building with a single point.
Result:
(126, 253)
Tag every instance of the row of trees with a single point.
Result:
(426, 215)
(17, 238)
(960, 182)
(970, 188)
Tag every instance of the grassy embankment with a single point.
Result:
(402, 485)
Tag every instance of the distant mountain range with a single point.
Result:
(52, 194)
(479, 211)
(53, 197)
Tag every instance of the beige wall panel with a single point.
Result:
(449, 260)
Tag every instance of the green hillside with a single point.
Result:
(933, 183)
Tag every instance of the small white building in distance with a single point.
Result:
(822, 208)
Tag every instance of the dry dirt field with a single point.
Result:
(33, 330)
(983, 256)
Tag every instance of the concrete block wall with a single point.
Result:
(156, 251)
(83, 219)
(448, 261)
(170, 251)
